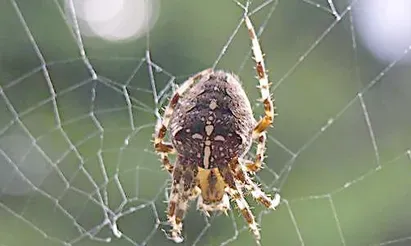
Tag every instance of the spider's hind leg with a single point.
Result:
(173, 204)
(182, 191)
(235, 192)
(242, 176)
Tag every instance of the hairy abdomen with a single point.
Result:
(214, 124)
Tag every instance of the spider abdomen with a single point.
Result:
(213, 122)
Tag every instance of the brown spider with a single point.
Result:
(212, 128)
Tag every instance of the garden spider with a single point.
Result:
(212, 128)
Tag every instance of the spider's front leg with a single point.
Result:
(264, 85)
(269, 107)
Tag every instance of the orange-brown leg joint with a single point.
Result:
(179, 216)
(161, 133)
(254, 166)
(167, 164)
(174, 100)
(158, 141)
(260, 70)
(240, 176)
(265, 201)
(163, 148)
(268, 118)
(171, 209)
(247, 215)
(236, 170)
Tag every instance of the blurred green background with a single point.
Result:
(75, 151)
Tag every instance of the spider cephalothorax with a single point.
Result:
(212, 128)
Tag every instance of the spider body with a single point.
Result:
(213, 122)
(212, 128)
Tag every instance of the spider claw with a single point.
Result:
(275, 201)
(173, 235)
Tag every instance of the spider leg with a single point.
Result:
(183, 190)
(264, 85)
(181, 208)
(164, 148)
(236, 194)
(195, 192)
(166, 162)
(173, 203)
(256, 192)
(254, 166)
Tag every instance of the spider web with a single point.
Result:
(77, 116)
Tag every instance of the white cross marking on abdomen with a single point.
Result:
(209, 128)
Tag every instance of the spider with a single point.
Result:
(212, 128)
